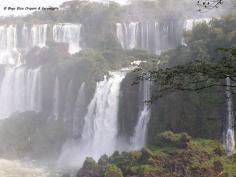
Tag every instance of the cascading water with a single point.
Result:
(154, 36)
(229, 139)
(157, 39)
(127, 35)
(17, 40)
(8, 45)
(140, 133)
(132, 35)
(78, 121)
(56, 98)
(190, 23)
(25, 37)
(39, 35)
(99, 135)
(20, 91)
(145, 35)
(21, 86)
(68, 33)
(121, 36)
(100, 127)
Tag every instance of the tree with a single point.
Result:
(195, 76)
(204, 5)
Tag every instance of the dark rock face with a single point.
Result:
(129, 106)
(180, 112)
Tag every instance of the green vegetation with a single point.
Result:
(113, 171)
(189, 94)
(198, 157)
(195, 67)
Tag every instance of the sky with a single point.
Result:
(32, 3)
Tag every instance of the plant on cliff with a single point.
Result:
(89, 169)
(169, 157)
(113, 171)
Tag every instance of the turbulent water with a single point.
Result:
(19, 169)
(99, 135)
(229, 139)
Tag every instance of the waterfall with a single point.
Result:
(100, 127)
(56, 98)
(20, 91)
(78, 121)
(8, 45)
(39, 35)
(229, 139)
(21, 86)
(145, 35)
(68, 102)
(120, 35)
(127, 34)
(154, 36)
(157, 39)
(190, 23)
(33, 89)
(140, 133)
(99, 133)
(25, 37)
(132, 35)
(11, 50)
(68, 33)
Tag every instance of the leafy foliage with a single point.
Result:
(200, 157)
(204, 63)
(209, 4)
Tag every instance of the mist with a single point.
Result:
(72, 96)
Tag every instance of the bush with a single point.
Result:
(168, 138)
(89, 168)
(113, 171)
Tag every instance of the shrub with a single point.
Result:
(168, 138)
(113, 171)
